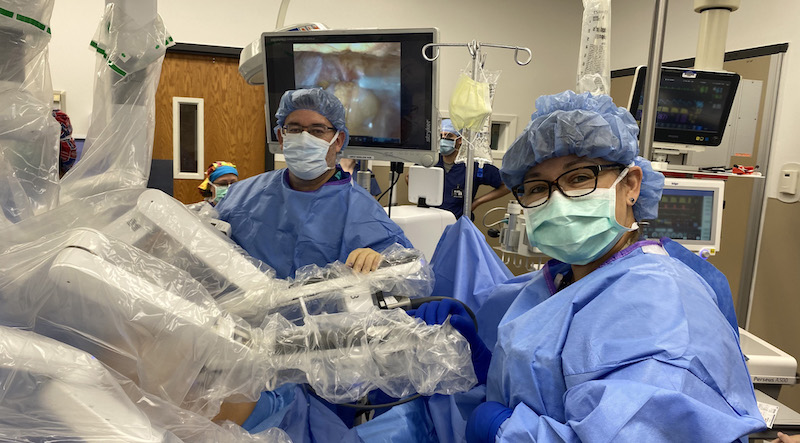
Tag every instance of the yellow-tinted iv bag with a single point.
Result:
(470, 104)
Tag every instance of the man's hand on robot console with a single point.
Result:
(364, 260)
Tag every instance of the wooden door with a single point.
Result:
(234, 115)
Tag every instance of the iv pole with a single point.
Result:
(474, 48)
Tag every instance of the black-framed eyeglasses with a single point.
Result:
(573, 183)
(318, 131)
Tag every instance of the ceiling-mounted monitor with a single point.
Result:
(693, 106)
(386, 86)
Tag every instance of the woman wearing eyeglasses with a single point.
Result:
(616, 338)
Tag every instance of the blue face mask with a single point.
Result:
(577, 230)
(306, 155)
(446, 147)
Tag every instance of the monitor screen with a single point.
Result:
(380, 76)
(690, 212)
(693, 106)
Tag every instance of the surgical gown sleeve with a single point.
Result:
(645, 356)
(465, 266)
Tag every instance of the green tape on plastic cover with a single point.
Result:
(99, 50)
(117, 69)
(31, 21)
(6, 13)
(110, 64)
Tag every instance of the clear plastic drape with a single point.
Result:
(29, 134)
(132, 277)
(119, 143)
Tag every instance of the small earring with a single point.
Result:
(633, 200)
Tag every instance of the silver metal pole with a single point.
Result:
(652, 79)
(467, 135)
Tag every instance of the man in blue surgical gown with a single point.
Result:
(309, 213)
(615, 339)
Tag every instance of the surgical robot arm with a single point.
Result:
(196, 354)
(163, 227)
(52, 391)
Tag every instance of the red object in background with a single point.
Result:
(743, 170)
(68, 152)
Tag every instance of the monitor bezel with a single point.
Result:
(682, 136)
(426, 154)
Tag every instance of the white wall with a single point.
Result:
(756, 23)
(550, 28)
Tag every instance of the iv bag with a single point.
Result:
(479, 141)
(594, 74)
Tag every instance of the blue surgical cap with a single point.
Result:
(447, 126)
(318, 100)
(586, 126)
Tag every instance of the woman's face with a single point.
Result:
(627, 189)
(226, 179)
(222, 180)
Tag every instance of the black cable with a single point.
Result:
(368, 407)
(390, 188)
(417, 302)
(380, 406)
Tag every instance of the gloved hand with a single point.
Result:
(485, 420)
(436, 312)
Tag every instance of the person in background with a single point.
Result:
(309, 213)
(615, 338)
(352, 167)
(219, 176)
(455, 174)
(68, 152)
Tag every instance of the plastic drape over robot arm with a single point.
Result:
(159, 325)
(52, 391)
(29, 134)
(119, 142)
(403, 273)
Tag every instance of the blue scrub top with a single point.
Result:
(453, 199)
(288, 229)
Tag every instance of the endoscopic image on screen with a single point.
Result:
(364, 76)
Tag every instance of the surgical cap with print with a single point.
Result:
(586, 126)
(318, 100)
